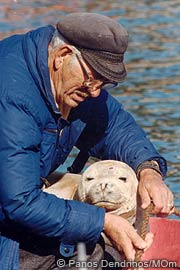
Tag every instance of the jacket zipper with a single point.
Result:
(59, 134)
(51, 130)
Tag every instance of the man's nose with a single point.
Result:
(95, 91)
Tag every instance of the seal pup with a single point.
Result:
(112, 185)
(109, 184)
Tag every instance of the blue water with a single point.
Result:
(151, 92)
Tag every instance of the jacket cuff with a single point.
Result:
(157, 164)
(150, 164)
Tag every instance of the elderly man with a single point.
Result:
(54, 96)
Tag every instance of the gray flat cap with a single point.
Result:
(101, 40)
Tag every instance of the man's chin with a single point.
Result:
(73, 103)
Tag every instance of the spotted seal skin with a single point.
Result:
(112, 185)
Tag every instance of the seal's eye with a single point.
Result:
(90, 178)
(123, 179)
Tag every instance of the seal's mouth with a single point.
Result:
(109, 206)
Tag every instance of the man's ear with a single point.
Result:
(60, 54)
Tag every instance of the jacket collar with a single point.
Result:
(35, 49)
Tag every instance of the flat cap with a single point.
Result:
(101, 40)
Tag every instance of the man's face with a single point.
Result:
(78, 81)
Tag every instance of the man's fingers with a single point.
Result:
(152, 187)
(123, 235)
(128, 249)
(158, 205)
(145, 198)
(149, 239)
(137, 241)
(168, 204)
(163, 202)
(166, 212)
(130, 242)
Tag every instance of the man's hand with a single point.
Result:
(152, 188)
(123, 235)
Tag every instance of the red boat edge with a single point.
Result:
(164, 253)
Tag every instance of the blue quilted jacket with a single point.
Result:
(32, 146)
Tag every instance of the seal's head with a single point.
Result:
(109, 184)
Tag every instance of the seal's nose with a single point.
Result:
(103, 186)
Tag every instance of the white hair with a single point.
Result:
(57, 40)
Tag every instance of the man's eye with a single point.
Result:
(90, 84)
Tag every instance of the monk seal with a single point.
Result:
(112, 185)
(109, 184)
